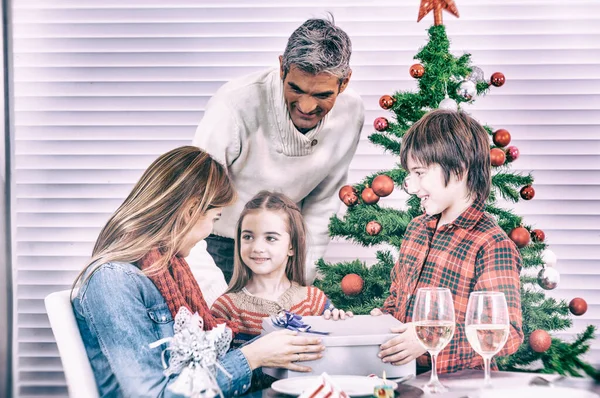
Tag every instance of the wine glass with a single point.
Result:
(433, 318)
(487, 326)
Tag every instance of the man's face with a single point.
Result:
(310, 97)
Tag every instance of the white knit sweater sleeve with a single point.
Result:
(218, 133)
(321, 204)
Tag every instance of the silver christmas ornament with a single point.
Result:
(548, 278)
(476, 75)
(467, 90)
(448, 104)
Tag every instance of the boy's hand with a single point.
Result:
(403, 348)
(337, 314)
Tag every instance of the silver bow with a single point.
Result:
(194, 355)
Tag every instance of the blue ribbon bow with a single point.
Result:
(291, 321)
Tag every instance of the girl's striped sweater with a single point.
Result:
(248, 310)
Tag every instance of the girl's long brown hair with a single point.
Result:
(156, 214)
(295, 268)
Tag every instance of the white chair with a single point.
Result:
(78, 371)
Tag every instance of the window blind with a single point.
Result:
(101, 88)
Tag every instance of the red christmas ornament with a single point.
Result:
(373, 228)
(350, 199)
(501, 138)
(527, 192)
(417, 71)
(578, 306)
(369, 197)
(520, 236)
(345, 190)
(382, 185)
(381, 124)
(497, 79)
(512, 153)
(497, 157)
(538, 235)
(540, 341)
(352, 284)
(386, 102)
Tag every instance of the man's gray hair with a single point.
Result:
(318, 46)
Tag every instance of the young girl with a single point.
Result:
(269, 268)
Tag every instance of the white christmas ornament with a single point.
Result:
(549, 258)
(476, 75)
(448, 104)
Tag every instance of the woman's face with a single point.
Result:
(200, 230)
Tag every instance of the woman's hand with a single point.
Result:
(337, 314)
(283, 349)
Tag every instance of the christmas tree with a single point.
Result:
(446, 81)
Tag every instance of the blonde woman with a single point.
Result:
(137, 279)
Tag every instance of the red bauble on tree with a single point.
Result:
(369, 197)
(512, 153)
(350, 199)
(497, 79)
(578, 306)
(352, 284)
(527, 192)
(501, 138)
(386, 101)
(373, 228)
(417, 71)
(497, 157)
(382, 185)
(538, 235)
(520, 236)
(345, 190)
(380, 124)
(540, 341)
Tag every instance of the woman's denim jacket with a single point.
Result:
(120, 312)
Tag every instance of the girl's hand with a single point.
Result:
(376, 312)
(283, 349)
(337, 314)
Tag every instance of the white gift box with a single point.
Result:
(352, 346)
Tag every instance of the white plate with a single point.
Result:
(354, 386)
(545, 392)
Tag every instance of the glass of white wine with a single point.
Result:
(487, 326)
(433, 318)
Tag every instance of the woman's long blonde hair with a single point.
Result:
(156, 214)
(295, 268)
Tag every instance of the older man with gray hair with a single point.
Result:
(293, 130)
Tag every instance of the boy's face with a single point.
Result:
(427, 182)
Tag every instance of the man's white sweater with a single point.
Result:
(246, 126)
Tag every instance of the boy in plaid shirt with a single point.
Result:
(455, 244)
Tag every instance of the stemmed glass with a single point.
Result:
(433, 318)
(487, 326)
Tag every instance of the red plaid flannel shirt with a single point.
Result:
(471, 253)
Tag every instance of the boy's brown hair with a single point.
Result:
(455, 141)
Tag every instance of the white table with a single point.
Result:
(463, 383)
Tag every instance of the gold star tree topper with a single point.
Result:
(437, 6)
